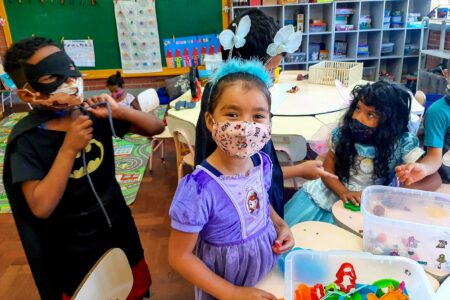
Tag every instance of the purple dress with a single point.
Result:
(232, 216)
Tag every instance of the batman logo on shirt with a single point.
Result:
(94, 158)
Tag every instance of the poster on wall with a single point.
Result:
(81, 52)
(190, 51)
(137, 31)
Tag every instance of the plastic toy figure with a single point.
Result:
(441, 260)
(346, 277)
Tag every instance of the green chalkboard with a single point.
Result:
(78, 19)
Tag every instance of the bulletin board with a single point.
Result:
(79, 19)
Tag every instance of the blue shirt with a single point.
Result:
(437, 122)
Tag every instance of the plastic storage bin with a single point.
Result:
(409, 223)
(411, 49)
(295, 57)
(369, 73)
(313, 267)
(387, 48)
(318, 27)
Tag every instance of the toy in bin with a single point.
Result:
(409, 223)
(336, 275)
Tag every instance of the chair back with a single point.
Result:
(183, 133)
(148, 100)
(109, 278)
(290, 147)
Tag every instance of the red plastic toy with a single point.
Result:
(346, 277)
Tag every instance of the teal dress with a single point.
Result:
(314, 201)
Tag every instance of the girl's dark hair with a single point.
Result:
(261, 34)
(392, 103)
(22, 51)
(116, 79)
(247, 82)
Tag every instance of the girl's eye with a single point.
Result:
(259, 116)
(371, 115)
(232, 115)
(47, 79)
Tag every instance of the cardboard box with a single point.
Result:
(301, 22)
(269, 2)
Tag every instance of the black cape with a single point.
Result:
(32, 230)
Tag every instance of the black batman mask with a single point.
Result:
(57, 64)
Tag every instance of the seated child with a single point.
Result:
(372, 139)
(115, 85)
(222, 209)
(59, 172)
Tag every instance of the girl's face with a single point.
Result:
(113, 88)
(366, 115)
(240, 104)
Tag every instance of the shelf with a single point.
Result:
(370, 30)
(368, 58)
(411, 56)
(258, 6)
(391, 56)
(344, 31)
(319, 33)
(437, 53)
(295, 63)
(393, 29)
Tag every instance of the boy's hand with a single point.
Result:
(313, 169)
(249, 293)
(353, 197)
(285, 239)
(78, 135)
(411, 173)
(100, 109)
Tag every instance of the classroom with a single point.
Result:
(225, 149)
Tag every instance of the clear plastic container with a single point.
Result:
(313, 267)
(387, 48)
(317, 27)
(409, 223)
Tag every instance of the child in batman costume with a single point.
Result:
(59, 172)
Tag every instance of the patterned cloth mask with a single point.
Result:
(241, 139)
(118, 94)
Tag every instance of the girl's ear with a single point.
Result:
(209, 120)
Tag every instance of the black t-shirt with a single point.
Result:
(36, 150)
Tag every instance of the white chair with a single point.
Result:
(290, 149)
(148, 101)
(6, 98)
(183, 133)
(109, 278)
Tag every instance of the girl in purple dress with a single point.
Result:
(222, 210)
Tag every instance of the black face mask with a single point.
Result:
(58, 64)
(361, 133)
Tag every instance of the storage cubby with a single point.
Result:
(403, 38)
(390, 69)
(373, 40)
(347, 39)
(370, 69)
(374, 9)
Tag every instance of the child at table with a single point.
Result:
(59, 172)
(222, 209)
(115, 85)
(372, 139)
(261, 35)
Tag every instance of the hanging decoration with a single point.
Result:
(137, 31)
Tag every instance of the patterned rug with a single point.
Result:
(131, 156)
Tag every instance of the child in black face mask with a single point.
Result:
(59, 172)
(371, 141)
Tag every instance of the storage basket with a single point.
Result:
(327, 72)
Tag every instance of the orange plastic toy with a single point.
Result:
(391, 295)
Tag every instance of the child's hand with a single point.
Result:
(249, 293)
(101, 111)
(285, 239)
(313, 169)
(353, 197)
(78, 135)
(411, 173)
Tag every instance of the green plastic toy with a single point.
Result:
(352, 207)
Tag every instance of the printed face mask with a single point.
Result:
(59, 65)
(361, 133)
(241, 139)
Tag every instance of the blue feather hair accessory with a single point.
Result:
(252, 67)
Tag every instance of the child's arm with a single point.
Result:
(335, 185)
(182, 259)
(312, 169)
(44, 195)
(142, 123)
(285, 239)
(429, 164)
